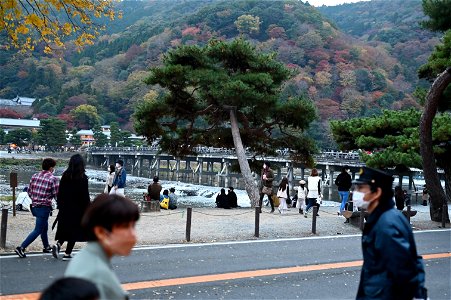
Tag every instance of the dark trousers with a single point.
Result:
(70, 246)
(269, 198)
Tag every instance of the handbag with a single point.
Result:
(164, 204)
(266, 190)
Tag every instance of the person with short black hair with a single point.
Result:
(267, 177)
(172, 199)
(222, 201)
(233, 199)
(110, 227)
(42, 189)
(70, 288)
(154, 189)
(120, 177)
(344, 183)
(392, 268)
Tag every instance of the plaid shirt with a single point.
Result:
(43, 188)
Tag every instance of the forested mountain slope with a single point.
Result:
(346, 73)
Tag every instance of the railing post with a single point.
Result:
(444, 208)
(4, 226)
(315, 212)
(257, 221)
(189, 211)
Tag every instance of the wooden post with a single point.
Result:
(444, 208)
(315, 212)
(13, 184)
(189, 211)
(3, 228)
(257, 221)
(362, 218)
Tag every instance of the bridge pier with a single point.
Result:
(213, 165)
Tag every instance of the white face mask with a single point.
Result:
(357, 198)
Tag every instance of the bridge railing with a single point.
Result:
(326, 155)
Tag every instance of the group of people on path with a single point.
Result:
(308, 192)
(107, 224)
(227, 201)
(392, 268)
(168, 199)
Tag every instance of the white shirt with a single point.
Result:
(312, 186)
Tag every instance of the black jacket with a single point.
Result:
(73, 200)
(344, 182)
(391, 267)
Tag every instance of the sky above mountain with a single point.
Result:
(331, 2)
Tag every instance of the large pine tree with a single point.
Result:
(225, 94)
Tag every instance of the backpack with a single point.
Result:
(164, 204)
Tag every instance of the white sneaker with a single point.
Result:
(67, 257)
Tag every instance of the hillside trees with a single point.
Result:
(225, 95)
(85, 116)
(27, 23)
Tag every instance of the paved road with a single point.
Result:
(306, 268)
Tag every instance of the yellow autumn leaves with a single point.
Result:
(30, 22)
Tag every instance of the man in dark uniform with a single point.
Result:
(391, 267)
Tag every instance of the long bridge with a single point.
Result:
(218, 166)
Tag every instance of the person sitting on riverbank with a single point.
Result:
(222, 201)
(154, 189)
(233, 200)
(172, 199)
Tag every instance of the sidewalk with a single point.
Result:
(214, 225)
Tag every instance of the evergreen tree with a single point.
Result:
(2, 136)
(52, 133)
(225, 95)
(394, 140)
(101, 140)
(21, 137)
(115, 134)
(75, 139)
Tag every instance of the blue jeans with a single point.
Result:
(344, 198)
(42, 217)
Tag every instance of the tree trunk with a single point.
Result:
(436, 193)
(249, 182)
(447, 169)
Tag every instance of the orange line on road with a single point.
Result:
(228, 276)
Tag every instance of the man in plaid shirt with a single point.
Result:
(42, 189)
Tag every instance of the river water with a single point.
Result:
(189, 194)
